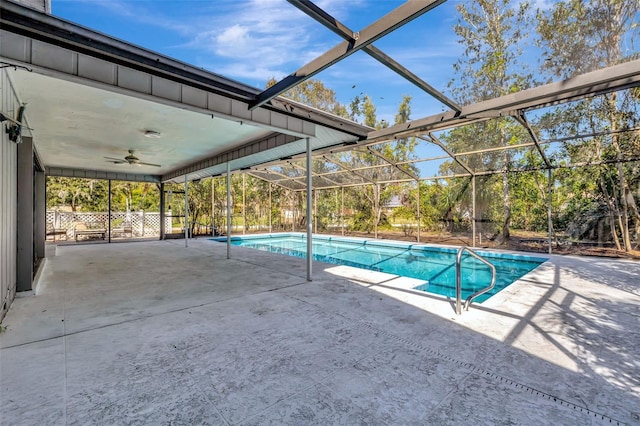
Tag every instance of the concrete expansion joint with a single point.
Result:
(504, 380)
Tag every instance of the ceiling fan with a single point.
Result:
(130, 159)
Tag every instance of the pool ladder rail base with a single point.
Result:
(469, 299)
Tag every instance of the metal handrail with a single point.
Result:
(459, 279)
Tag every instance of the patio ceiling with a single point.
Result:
(77, 126)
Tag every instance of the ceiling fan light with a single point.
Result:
(152, 134)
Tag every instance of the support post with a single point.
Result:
(342, 211)
(228, 210)
(40, 212)
(418, 182)
(473, 210)
(293, 216)
(186, 211)
(25, 210)
(244, 216)
(315, 211)
(270, 209)
(213, 206)
(549, 212)
(376, 199)
(109, 210)
(309, 212)
(162, 216)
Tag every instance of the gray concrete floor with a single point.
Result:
(155, 333)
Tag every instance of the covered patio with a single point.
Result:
(193, 332)
(157, 333)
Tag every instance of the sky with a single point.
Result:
(254, 40)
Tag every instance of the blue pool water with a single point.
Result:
(435, 265)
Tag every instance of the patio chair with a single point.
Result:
(124, 229)
(89, 230)
(53, 231)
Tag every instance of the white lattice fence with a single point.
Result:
(142, 223)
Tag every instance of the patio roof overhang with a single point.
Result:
(119, 91)
(89, 96)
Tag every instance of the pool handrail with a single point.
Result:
(459, 279)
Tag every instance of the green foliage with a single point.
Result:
(314, 93)
(491, 32)
(77, 194)
(92, 195)
(577, 37)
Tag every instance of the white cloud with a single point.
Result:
(252, 75)
(266, 34)
(233, 42)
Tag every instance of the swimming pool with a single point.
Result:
(436, 266)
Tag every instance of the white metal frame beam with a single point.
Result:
(343, 31)
(606, 80)
(433, 139)
(393, 20)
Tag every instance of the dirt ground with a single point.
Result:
(519, 241)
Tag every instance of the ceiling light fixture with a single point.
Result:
(152, 134)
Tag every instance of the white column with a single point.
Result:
(418, 209)
(293, 216)
(228, 210)
(549, 213)
(270, 230)
(473, 210)
(213, 206)
(186, 211)
(376, 199)
(342, 210)
(244, 216)
(309, 212)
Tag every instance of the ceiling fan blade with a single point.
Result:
(115, 160)
(149, 164)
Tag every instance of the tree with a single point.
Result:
(378, 164)
(77, 193)
(314, 93)
(491, 33)
(577, 37)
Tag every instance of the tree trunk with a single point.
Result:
(624, 220)
(635, 213)
(612, 209)
(506, 234)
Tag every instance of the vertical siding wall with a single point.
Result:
(8, 198)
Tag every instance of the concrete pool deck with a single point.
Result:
(155, 333)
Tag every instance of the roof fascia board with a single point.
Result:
(56, 31)
(261, 145)
(85, 47)
(79, 68)
(97, 174)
